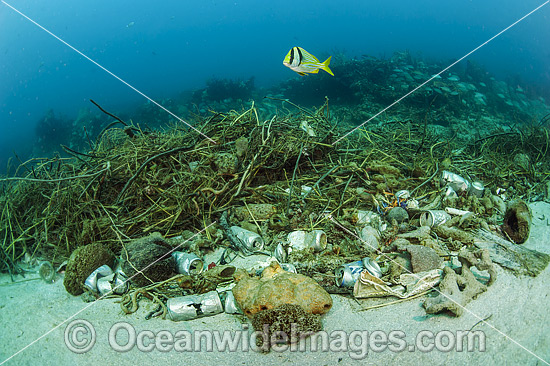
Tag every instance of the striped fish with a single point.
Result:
(302, 62)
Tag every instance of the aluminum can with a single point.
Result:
(477, 189)
(434, 218)
(188, 263)
(194, 306)
(347, 274)
(248, 241)
(110, 285)
(230, 305)
(316, 239)
(372, 267)
(455, 181)
(91, 281)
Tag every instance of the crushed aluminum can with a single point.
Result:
(114, 283)
(403, 194)
(347, 274)
(188, 263)
(91, 281)
(455, 181)
(280, 253)
(434, 218)
(194, 306)
(370, 238)
(450, 193)
(288, 267)
(477, 189)
(248, 241)
(372, 267)
(230, 305)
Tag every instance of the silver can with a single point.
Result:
(300, 239)
(194, 306)
(280, 253)
(455, 181)
(434, 218)
(372, 267)
(230, 304)
(289, 267)
(347, 274)
(91, 281)
(477, 189)
(188, 263)
(316, 239)
(248, 241)
(112, 284)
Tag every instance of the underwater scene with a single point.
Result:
(247, 182)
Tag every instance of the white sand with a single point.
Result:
(519, 309)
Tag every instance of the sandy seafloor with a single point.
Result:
(519, 309)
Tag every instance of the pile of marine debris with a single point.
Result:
(369, 215)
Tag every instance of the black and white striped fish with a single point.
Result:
(302, 62)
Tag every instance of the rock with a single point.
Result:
(84, 260)
(146, 255)
(398, 214)
(277, 287)
(287, 323)
(423, 258)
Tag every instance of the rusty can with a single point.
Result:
(194, 306)
(347, 274)
(188, 263)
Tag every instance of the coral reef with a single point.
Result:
(457, 290)
(277, 287)
(149, 257)
(286, 323)
(83, 261)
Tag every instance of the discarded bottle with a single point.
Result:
(194, 306)
(188, 263)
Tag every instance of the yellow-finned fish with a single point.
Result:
(302, 62)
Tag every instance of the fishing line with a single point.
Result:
(107, 71)
(439, 73)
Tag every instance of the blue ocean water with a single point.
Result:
(165, 48)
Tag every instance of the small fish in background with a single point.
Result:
(302, 62)
(129, 25)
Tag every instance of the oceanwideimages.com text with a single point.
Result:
(80, 337)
